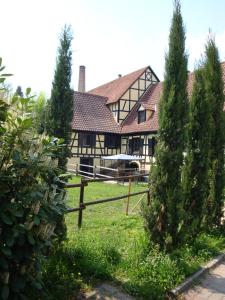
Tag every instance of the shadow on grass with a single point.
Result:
(142, 273)
(68, 270)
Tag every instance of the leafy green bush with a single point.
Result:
(31, 198)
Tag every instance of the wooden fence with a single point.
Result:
(100, 171)
(84, 183)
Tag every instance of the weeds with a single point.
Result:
(113, 247)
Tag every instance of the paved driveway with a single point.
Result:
(210, 287)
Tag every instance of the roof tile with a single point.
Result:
(150, 99)
(92, 114)
(114, 90)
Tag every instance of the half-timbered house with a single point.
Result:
(118, 117)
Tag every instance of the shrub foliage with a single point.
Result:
(162, 219)
(195, 177)
(31, 198)
(215, 93)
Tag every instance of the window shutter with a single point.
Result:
(80, 139)
(106, 141)
(151, 146)
(93, 140)
(130, 147)
(118, 141)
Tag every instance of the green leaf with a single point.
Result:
(3, 263)
(27, 123)
(37, 285)
(30, 238)
(7, 74)
(5, 292)
(9, 240)
(0, 61)
(6, 250)
(19, 120)
(36, 220)
(6, 219)
(15, 99)
(2, 79)
(28, 90)
(16, 155)
(17, 212)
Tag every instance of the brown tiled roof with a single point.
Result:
(92, 114)
(149, 106)
(191, 78)
(150, 99)
(113, 90)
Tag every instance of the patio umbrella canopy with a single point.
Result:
(122, 157)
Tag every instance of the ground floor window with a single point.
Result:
(136, 146)
(85, 164)
(112, 141)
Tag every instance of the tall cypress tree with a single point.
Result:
(61, 102)
(196, 169)
(162, 218)
(214, 90)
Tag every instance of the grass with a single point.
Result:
(111, 246)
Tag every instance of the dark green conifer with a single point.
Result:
(163, 217)
(61, 102)
(196, 169)
(215, 94)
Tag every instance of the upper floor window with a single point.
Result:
(112, 141)
(141, 116)
(87, 139)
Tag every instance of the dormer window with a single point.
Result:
(141, 116)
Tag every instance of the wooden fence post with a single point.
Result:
(128, 199)
(94, 171)
(80, 215)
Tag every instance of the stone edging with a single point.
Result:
(190, 280)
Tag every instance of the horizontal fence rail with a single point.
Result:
(84, 183)
(93, 171)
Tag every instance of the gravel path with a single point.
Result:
(106, 292)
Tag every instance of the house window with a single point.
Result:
(112, 141)
(151, 146)
(136, 146)
(141, 116)
(87, 139)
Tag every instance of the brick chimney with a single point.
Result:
(81, 84)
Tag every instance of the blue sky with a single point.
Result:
(111, 37)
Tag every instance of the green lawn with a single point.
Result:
(106, 216)
(111, 246)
